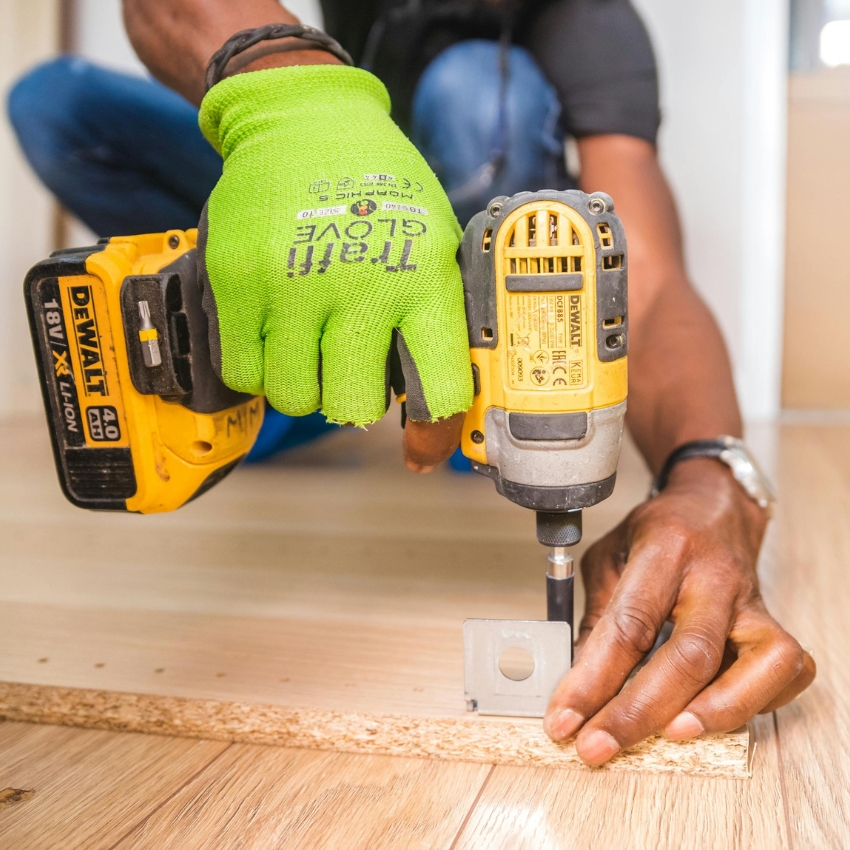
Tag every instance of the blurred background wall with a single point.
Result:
(723, 69)
(816, 371)
(29, 32)
(725, 97)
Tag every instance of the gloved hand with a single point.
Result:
(326, 231)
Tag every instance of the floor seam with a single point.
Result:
(168, 799)
(782, 786)
(462, 827)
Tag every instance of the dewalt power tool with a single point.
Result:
(140, 421)
(545, 284)
(138, 418)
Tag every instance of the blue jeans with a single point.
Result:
(125, 154)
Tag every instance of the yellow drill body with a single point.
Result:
(546, 300)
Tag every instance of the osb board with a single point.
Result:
(300, 603)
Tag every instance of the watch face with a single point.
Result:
(747, 474)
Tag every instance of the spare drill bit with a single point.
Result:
(149, 337)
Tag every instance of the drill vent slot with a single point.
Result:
(487, 241)
(606, 238)
(612, 323)
(544, 265)
(543, 253)
(613, 262)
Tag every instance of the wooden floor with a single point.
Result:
(95, 789)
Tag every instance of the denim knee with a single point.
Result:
(44, 106)
(459, 123)
(464, 81)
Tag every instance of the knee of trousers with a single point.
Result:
(459, 93)
(44, 107)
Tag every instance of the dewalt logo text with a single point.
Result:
(88, 341)
(575, 321)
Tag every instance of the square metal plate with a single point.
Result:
(489, 690)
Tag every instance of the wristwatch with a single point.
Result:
(732, 452)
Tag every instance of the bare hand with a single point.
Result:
(688, 556)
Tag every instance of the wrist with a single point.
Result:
(714, 481)
(279, 54)
(287, 44)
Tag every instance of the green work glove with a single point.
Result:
(326, 232)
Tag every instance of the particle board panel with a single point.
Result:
(257, 797)
(488, 740)
(87, 788)
(301, 603)
(811, 596)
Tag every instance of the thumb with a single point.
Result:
(433, 346)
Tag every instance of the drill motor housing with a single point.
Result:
(545, 285)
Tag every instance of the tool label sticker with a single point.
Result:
(64, 383)
(104, 425)
(546, 336)
(88, 341)
(92, 352)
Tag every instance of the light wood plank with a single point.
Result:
(261, 797)
(89, 788)
(811, 595)
(288, 606)
(544, 809)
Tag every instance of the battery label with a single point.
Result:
(104, 425)
(59, 368)
(92, 353)
(546, 341)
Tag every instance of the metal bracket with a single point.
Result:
(486, 686)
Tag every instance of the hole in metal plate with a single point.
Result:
(516, 663)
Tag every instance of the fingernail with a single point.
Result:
(563, 724)
(682, 726)
(596, 747)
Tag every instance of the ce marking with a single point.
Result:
(558, 382)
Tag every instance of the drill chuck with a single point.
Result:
(561, 528)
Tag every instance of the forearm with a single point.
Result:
(680, 379)
(176, 38)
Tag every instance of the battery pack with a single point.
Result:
(138, 419)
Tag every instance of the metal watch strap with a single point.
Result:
(241, 41)
(693, 449)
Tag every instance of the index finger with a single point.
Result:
(624, 634)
